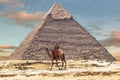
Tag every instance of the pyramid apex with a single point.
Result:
(58, 12)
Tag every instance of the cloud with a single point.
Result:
(22, 17)
(11, 3)
(117, 20)
(14, 14)
(96, 27)
(4, 1)
(113, 40)
(7, 47)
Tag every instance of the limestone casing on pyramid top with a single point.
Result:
(58, 12)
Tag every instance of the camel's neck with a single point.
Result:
(48, 53)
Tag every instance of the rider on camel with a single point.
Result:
(57, 50)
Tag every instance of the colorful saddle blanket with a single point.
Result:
(56, 53)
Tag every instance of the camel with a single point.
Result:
(56, 58)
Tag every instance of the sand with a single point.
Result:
(76, 70)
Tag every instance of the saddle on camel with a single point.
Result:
(57, 51)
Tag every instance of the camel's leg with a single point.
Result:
(65, 64)
(62, 64)
(57, 64)
(51, 65)
(63, 57)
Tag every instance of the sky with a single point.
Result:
(99, 17)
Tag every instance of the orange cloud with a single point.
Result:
(11, 3)
(23, 18)
(116, 34)
(113, 40)
(23, 15)
(4, 1)
(7, 47)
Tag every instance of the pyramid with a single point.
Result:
(58, 26)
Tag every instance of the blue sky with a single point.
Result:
(100, 17)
